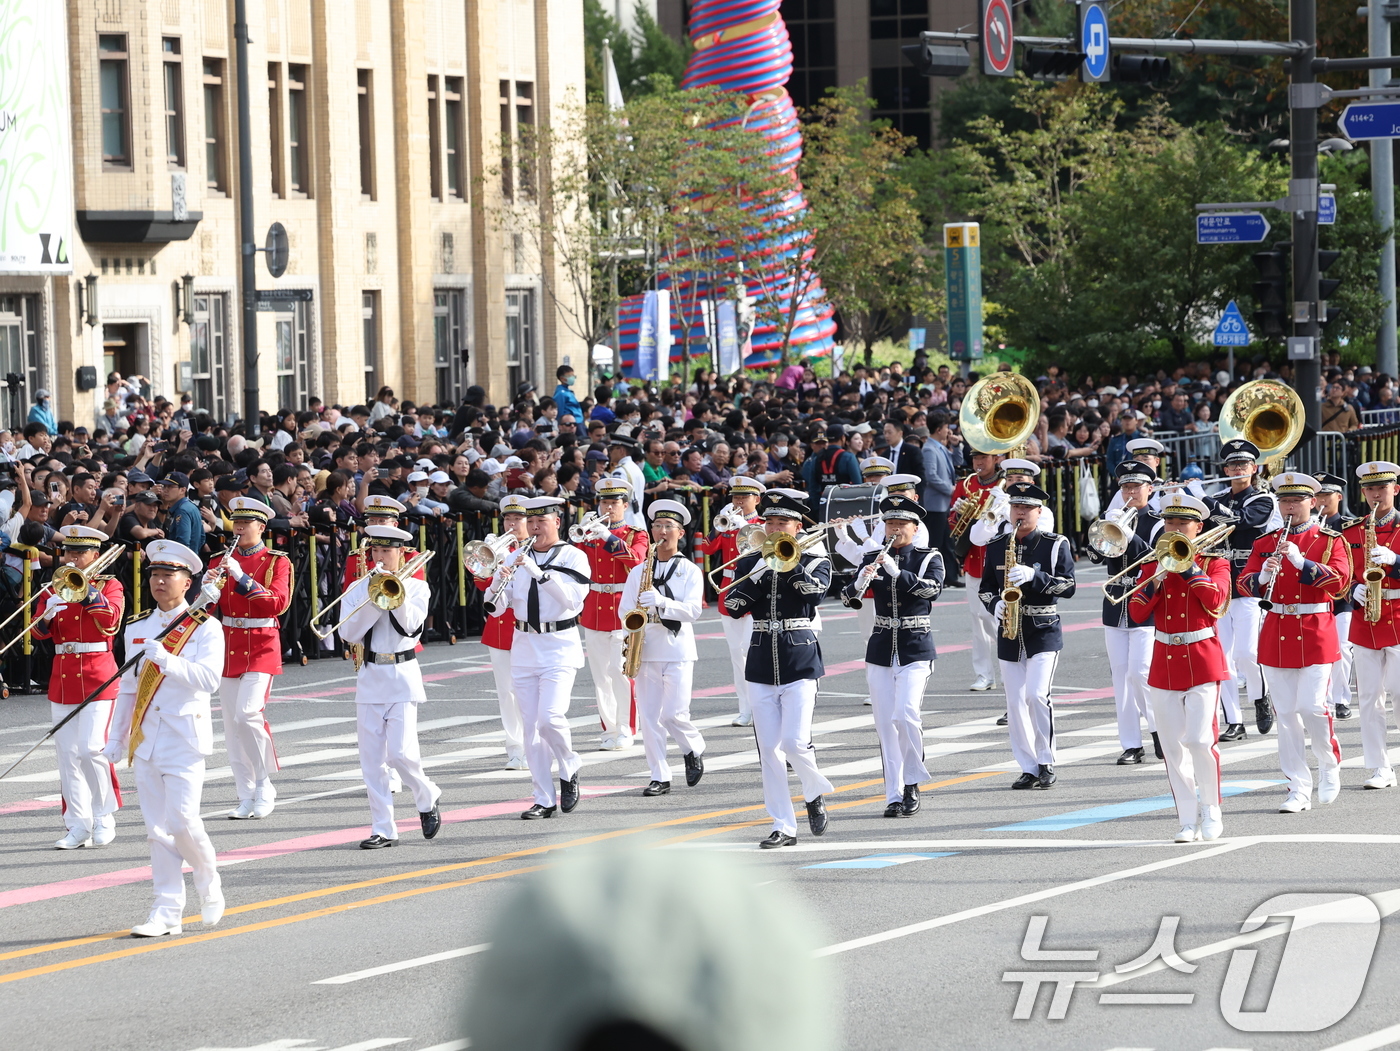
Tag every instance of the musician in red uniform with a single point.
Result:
(1300, 569)
(723, 548)
(255, 593)
(496, 636)
(1188, 665)
(987, 475)
(379, 510)
(1375, 645)
(613, 548)
(82, 637)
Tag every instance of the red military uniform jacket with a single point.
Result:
(607, 573)
(93, 623)
(1291, 639)
(264, 596)
(499, 631)
(724, 547)
(1386, 631)
(971, 486)
(1183, 606)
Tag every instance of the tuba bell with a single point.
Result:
(1267, 413)
(999, 413)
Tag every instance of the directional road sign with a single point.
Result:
(1231, 228)
(1371, 120)
(1327, 209)
(1231, 331)
(1093, 42)
(998, 39)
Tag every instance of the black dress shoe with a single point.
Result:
(816, 816)
(694, 769)
(911, 802)
(568, 794)
(1026, 781)
(377, 843)
(1233, 732)
(1130, 756)
(1003, 721)
(1263, 715)
(537, 812)
(1047, 776)
(778, 839)
(895, 809)
(1343, 711)
(959, 583)
(657, 788)
(431, 821)
(1157, 746)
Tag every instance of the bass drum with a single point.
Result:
(851, 501)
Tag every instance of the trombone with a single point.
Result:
(386, 590)
(781, 552)
(1174, 553)
(69, 583)
(749, 539)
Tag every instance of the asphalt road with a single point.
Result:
(924, 919)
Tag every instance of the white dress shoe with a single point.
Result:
(612, 744)
(624, 741)
(212, 911)
(105, 832)
(1211, 825)
(1329, 786)
(982, 683)
(1187, 834)
(154, 929)
(80, 837)
(263, 807)
(867, 701)
(516, 762)
(1295, 804)
(1384, 777)
(745, 719)
(243, 811)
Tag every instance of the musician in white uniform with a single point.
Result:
(389, 689)
(545, 584)
(673, 603)
(744, 493)
(162, 725)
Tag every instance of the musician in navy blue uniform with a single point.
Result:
(1255, 512)
(784, 664)
(1042, 567)
(1129, 644)
(904, 580)
(1331, 512)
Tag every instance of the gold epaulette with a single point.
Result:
(1325, 531)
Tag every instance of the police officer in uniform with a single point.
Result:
(1331, 499)
(1042, 567)
(723, 547)
(903, 583)
(785, 662)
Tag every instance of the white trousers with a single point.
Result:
(1377, 674)
(388, 735)
(1239, 638)
(663, 707)
(782, 726)
(1129, 658)
(738, 631)
(897, 695)
(169, 785)
(87, 780)
(984, 632)
(1186, 726)
(1300, 697)
(510, 708)
(865, 620)
(611, 689)
(1030, 720)
(543, 695)
(1341, 667)
(247, 735)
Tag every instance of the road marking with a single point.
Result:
(1113, 811)
(878, 861)
(371, 1045)
(403, 965)
(451, 1045)
(1380, 1038)
(1063, 757)
(1026, 899)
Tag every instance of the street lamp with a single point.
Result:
(87, 299)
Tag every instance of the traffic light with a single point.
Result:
(1272, 292)
(934, 60)
(1326, 285)
(1048, 63)
(1141, 69)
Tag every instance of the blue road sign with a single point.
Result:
(1093, 41)
(1231, 331)
(1371, 120)
(1326, 209)
(1231, 228)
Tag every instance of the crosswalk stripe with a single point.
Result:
(403, 965)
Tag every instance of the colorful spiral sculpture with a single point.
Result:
(743, 46)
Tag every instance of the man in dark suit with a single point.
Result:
(906, 455)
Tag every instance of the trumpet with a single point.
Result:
(386, 590)
(69, 583)
(1110, 537)
(590, 527)
(483, 558)
(1174, 553)
(730, 519)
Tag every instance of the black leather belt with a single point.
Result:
(400, 657)
(547, 627)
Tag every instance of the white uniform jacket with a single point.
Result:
(560, 591)
(872, 538)
(681, 578)
(181, 703)
(387, 683)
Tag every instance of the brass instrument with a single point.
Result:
(749, 539)
(1374, 573)
(729, 519)
(1174, 553)
(1269, 414)
(999, 413)
(70, 584)
(1010, 593)
(1110, 537)
(782, 552)
(591, 527)
(386, 590)
(973, 509)
(635, 621)
(483, 558)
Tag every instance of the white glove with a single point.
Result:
(1384, 555)
(758, 571)
(156, 653)
(210, 592)
(959, 504)
(1291, 552)
(889, 565)
(530, 566)
(648, 600)
(1019, 574)
(999, 609)
(53, 609)
(235, 571)
(1266, 574)
(866, 575)
(114, 751)
(1358, 594)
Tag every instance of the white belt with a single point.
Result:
(1298, 609)
(250, 622)
(1238, 554)
(65, 648)
(794, 624)
(1185, 638)
(1388, 593)
(607, 589)
(1040, 611)
(902, 622)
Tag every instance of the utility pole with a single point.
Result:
(1383, 196)
(248, 249)
(1302, 202)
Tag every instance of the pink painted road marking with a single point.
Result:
(29, 804)
(340, 837)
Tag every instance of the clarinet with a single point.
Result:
(1267, 602)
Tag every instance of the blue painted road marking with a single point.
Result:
(1132, 808)
(879, 861)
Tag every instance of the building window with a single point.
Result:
(507, 135)
(274, 120)
(293, 352)
(365, 90)
(449, 351)
(812, 27)
(900, 98)
(208, 346)
(174, 103)
(298, 132)
(369, 311)
(525, 135)
(215, 174)
(114, 75)
(520, 337)
(19, 354)
(453, 114)
(434, 141)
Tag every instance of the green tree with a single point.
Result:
(648, 60)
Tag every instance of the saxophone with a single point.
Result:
(1010, 593)
(635, 622)
(1374, 574)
